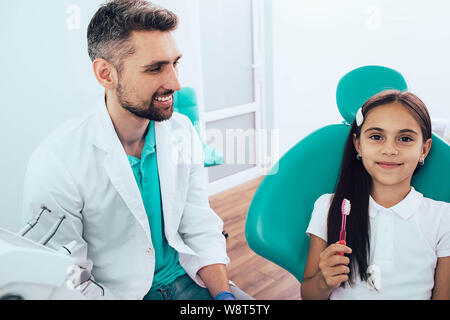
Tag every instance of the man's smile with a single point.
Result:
(163, 101)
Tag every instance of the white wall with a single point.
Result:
(47, 78)
(188, 40)
(316, 42)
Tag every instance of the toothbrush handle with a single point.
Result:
(342, 235)
(344, 243)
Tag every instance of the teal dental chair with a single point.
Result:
(281, 208)
(185, 102)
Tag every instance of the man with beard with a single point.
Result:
(135, 202)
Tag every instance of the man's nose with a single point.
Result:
(172, 82)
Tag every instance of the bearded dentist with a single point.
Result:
(134, 200)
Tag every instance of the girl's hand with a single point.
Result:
(333, 267)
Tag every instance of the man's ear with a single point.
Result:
(105, 73)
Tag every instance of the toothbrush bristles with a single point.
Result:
(346, 207)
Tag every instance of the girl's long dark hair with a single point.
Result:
(355, 184)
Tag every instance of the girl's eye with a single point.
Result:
(375, 137)
(406, 139)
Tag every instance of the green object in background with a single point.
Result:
(212, 156)
(433, 179)
(357, 86)
(281, 208)
(185, 102)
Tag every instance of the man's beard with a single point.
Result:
(146, 110)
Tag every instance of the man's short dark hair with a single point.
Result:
(110, 28)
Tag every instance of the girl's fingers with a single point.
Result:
(337, 260)
(339, 279)
(334, 249)
(334, 282)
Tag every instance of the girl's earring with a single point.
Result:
(358, 157)
(422, 162)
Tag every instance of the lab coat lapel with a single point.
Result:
(118, 168)
(167, 170)
(121, 175)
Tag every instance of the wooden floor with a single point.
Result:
(255, 275)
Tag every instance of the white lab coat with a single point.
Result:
(82, 171)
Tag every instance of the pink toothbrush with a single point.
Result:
(345, 209)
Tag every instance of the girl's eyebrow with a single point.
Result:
(374, 129)
(408, 131)
(400, 131)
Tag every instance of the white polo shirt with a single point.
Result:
(405, 242)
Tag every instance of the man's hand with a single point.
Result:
(215, 277)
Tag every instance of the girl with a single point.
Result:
(398, 242)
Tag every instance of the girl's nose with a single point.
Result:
(390, 149)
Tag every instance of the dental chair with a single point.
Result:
(282, 205)
(32, 271)
(185, 102)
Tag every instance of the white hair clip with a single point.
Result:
(359, 118)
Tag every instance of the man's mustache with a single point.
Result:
(166, 93)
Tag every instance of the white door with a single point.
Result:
(233, 80)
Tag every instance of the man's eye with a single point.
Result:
(154, 69)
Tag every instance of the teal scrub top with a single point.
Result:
(145, 170)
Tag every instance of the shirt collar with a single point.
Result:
(149, 146)
(405, 208)
(150, 141)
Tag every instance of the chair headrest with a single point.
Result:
(357, 86)
(186, 97)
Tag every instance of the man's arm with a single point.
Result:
(201, 228)
(48, 182)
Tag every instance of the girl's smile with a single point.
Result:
(389, 165)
